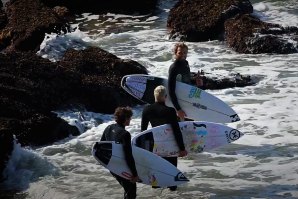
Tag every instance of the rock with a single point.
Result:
(101, 73)
(196, 20)
(28, 21)
(103, 6)
(61, 11)
(3, 19)
(31, 87)
(248, 34)
(228, 82)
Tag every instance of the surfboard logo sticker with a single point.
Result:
(235, 118)
(126, 175)
(234, 134)
(194, 93)
(180, 177)
(153, 181)
(200, 106)
(198, 142)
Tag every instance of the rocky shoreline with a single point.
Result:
(32, 87)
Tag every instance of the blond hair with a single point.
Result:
(179, 45)
(159, 93)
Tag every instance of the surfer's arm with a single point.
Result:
(172, 88)
(103, 137)
(128, 154)
(144, 121)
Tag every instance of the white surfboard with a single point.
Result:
(152, 169)
(197, 137)
(197, 103)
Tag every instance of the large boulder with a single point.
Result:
(248, 34)
(103, 6)
(101, 73)
(28, 21)
(31, 87)
(197, 20)
(3, 19)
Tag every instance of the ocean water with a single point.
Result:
(262, 164)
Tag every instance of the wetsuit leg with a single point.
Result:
(174, 161)
(130, 189)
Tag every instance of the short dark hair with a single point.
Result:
(122, 113)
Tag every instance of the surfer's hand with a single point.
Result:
(182, 153)
(135, 179)
(181, 114)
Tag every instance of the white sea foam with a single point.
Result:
(25, 166)
(283, 13)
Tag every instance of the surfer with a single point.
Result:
(116, 132)
(158, 114)
(179, 71)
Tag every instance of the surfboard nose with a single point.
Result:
(241, 134)
(123, 80)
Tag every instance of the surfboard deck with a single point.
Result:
(152, 169)
(197, 136)
(197, 103)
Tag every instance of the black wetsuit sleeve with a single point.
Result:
(126, 141)
(103, 137)
(145, 120)
(172, 88)
(176, 130)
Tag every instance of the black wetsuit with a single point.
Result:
(159, 114)
(116, 132)
(178, 71)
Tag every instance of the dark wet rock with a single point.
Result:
(101, 73)
(3, 19)
(103, 6)
(248, 34)
(211, 83)
(28, 21)
(6, 147)
(62, 12)
(31, 87)
(196, 20)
